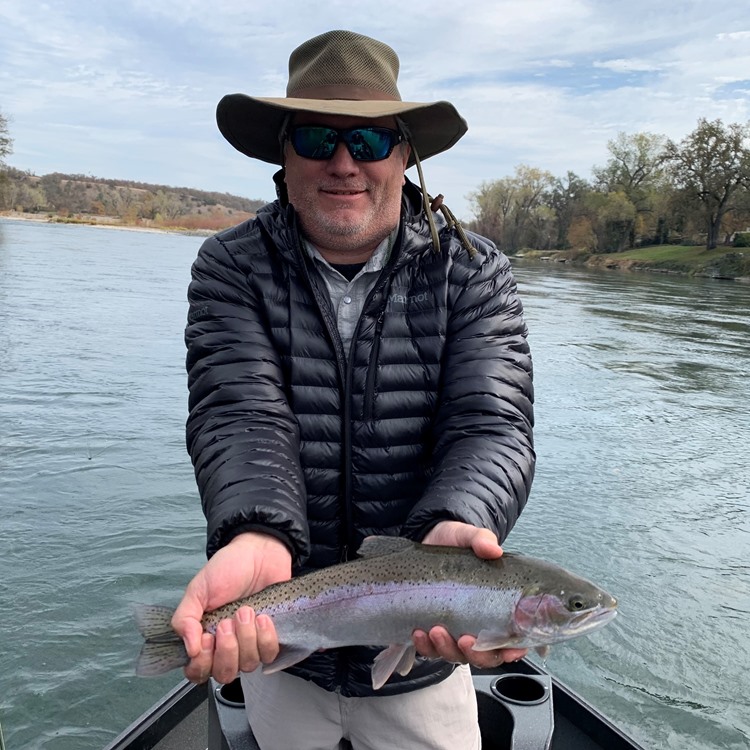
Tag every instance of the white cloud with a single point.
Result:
(129, 89)
(622, 65)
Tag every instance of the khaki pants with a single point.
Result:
(289, 713)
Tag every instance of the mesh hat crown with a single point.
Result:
(337, 73)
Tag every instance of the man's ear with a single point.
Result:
(406, 153)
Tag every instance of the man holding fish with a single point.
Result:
(358, 367)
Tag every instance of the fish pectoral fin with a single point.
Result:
(398, 657)
(543, 651)
(288, 657)
(487, 640)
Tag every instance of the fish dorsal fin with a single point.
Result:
(377, 546)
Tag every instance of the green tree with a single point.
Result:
(566, 199)
(711, 165)
(611, 217)
(636, 170)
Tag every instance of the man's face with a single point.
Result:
(346, 207)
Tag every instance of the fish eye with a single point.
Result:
(576, 604)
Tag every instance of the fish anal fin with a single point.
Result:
(377, 546)
(288, 657)
(398, 657)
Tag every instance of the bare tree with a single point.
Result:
(507, 210)
(712, 165)
(6, 142)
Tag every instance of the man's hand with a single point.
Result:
(439, 643)
(250, 562)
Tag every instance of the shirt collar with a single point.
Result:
(375, 262)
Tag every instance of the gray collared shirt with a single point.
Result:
(348, 297)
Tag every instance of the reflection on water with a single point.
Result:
(642, 483)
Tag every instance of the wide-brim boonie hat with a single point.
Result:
(337, 73)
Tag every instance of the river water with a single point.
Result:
(643, 482)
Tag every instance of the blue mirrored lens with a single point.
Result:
(364, 144)
(314, 143)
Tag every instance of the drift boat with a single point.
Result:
(521, 707)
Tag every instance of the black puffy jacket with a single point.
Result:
(429, 418)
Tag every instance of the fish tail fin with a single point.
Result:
(163, 650)
(154, 623)
(160, 658)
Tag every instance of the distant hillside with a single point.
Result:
(95, 200)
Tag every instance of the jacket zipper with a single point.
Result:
(345, 373)
(343, 368)
(372, 368)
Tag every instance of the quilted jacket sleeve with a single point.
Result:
(241, 434)
(483, 457)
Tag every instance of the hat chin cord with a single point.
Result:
(436, 204)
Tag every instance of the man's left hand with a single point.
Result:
(438, 643)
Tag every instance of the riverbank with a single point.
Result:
(720, 263)
(106, 222)
(687, 260)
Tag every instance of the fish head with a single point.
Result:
(549, 615)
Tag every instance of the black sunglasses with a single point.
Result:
(364, 144)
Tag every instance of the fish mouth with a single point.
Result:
(546, 616)
(591, 619)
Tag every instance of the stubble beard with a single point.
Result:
(344, 233)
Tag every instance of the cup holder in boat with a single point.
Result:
(231, 694)
(528, 700)
(520, 689)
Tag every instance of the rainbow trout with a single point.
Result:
(395, 587)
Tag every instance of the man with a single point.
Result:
(357, 366)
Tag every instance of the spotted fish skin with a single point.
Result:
(395, 587)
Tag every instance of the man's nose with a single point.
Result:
(342, 161)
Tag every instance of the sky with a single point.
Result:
(128, 89)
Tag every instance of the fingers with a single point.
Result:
(241, 644)
(439, 644)
(488, 659)
(446, 647)
(483, 542)
(256, 638)
(227, 653)
(247, 635)
(424, 645)
(268, 642)
(199, 668)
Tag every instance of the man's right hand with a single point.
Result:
(250, 562)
